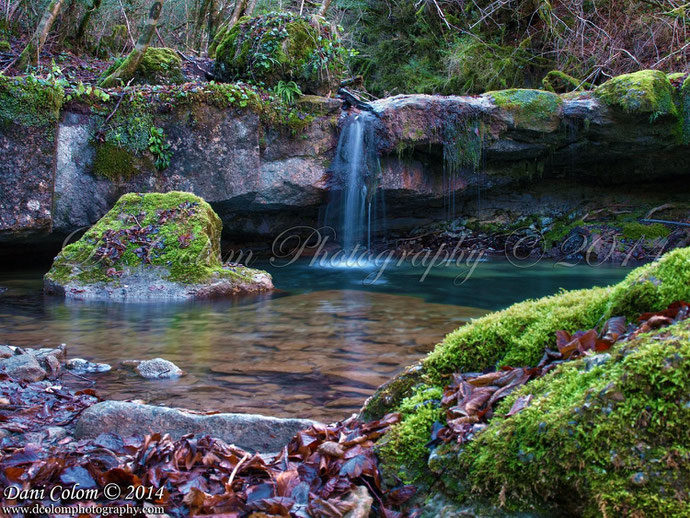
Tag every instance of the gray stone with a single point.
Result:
(158, 368)
(6, 351)
(23, 367)
(248, 431)
(595, 360)
(82, 366)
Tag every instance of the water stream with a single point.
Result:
(315, 349)
(355, 202)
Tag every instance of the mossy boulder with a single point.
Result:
(596, 451)
(281, 47)
(158, 66)
(534, 110)
(606, 438)
(645, 92)
(152, 247)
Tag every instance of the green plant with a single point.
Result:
(287, 91)
(159, 148)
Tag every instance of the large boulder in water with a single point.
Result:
(279, 47)
(152, 247)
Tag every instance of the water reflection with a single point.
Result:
(317, 349)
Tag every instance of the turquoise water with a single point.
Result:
(316, 348)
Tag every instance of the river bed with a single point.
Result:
(315, 349)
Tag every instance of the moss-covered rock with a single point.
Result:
(158, 66)
(152, 246)
(535, 110)
(608, 440)
(29, 101)
(517, 336)
(281, 47)
(645, 92)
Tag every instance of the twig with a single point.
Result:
(237, 468)
(666, 222)
(208, 74)
(129, 30)
(119, 102)
(657, 209)
(160, 38)
(93, 382)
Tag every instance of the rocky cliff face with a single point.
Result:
(517, 148)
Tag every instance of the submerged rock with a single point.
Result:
(82, 366)
(248, 431)
(152, 247)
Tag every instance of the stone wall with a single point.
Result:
(527, 145)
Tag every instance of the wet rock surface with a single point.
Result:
(248, 431)
(152, 247)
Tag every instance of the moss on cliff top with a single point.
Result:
(646, 92)
(158, 66)
(535, 110)
(281, 46)
(177, 231)
(29, 101)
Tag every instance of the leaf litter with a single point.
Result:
(471, 397)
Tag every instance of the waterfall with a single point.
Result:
(352, 209)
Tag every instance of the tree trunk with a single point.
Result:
(240, 6)
(251, 5)
(325, 4)
(29, 55)
(84, 23)
(199, 26)
(126, 70)
(214, 16)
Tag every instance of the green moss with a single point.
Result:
(646, 92)
(518, 335)
(559, 231)
(535, 110)
(5, 46)
(281, 47)
(558, 81)
(406, 446)
(611, 440)
(113, 162)
(654, 286)
(684, 119)
(193, 222)
(159, 65)
(131, 125)
(29, 101)
(475, 66)
(634, 230)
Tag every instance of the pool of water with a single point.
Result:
(316, 348)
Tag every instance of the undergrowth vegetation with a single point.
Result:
(471, 47)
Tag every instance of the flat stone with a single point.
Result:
(249, 431)
(23, 367)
